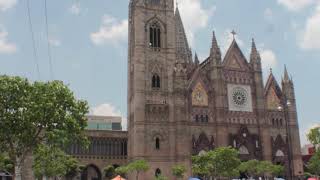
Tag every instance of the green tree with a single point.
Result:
(221, 162)
(225, 162)
(5, 163)
(160, 177)
(313, 166)
(122, 171)
(109, 171)
(254, 168)
(37, 112)
(202, 165)
(53, 162)
(138, 166)
(178, 171)
(314, 136)
(250, 168)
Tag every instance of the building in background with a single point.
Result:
(104, 123)
(108, 146)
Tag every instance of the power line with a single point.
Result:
(33, 40)
(48, 40)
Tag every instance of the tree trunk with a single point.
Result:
(17, 169)
(137, 177)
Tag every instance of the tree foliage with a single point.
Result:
(37, 112)
(314, 164)
(122, 171)
(109, 171)
(138, 166)
(254, 168)
(161, 177)
(5, 163)
(178, 171)
(221, 162)
(314, 136)
(53, 162)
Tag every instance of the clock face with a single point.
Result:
(239, 98)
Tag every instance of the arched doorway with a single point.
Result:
(91, 172)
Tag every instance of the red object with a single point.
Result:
(311, 150)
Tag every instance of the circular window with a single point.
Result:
(240, 96)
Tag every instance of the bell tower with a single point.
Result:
(151, 60)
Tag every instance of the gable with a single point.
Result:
(199, 95)
(234, 58)
(234, 63)
(273, 101)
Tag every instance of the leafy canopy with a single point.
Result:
(52, 162)
(314, 136)
(314, 164)
(178, 171)
(37, 112)
(221, 162)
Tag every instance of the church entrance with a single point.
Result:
(91, 172)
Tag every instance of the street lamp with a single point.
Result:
(285, 109)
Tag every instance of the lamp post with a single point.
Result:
(285, 108)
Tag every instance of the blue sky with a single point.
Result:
(88, 41)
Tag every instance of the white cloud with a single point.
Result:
(109, 110)
(268, 14)
(311, 33)
(194, 16)
(268, 59)
(5, 46)
(227, 40)
(54, 41)
(75, 8)
(111, 30)
(7, 4)
(296, 5)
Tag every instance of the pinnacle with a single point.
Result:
(196, 59)
(254, 56)
(253, 46)
(214, 44)
(286, 74)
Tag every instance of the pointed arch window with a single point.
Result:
(155, 35)
(155, 81)
(157, 143)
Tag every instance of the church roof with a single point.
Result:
(235, 51)
(182, 46)
(272, 82)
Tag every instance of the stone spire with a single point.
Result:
(255, 58)
(196, 59)
(182, 47)
(286, 75)
(214, 45)
(215, 52)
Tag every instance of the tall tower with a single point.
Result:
(293, 126)
(151, 64)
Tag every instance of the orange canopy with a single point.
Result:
(118, 178)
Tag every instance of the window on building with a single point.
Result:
(201, 118)
(155, 36)
(157, 143)
(155, 81)
(207, 118)
(157, 172)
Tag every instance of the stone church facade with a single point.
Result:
(178, 107)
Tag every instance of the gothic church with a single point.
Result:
(178, 107)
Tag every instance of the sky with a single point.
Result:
(88, 44)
